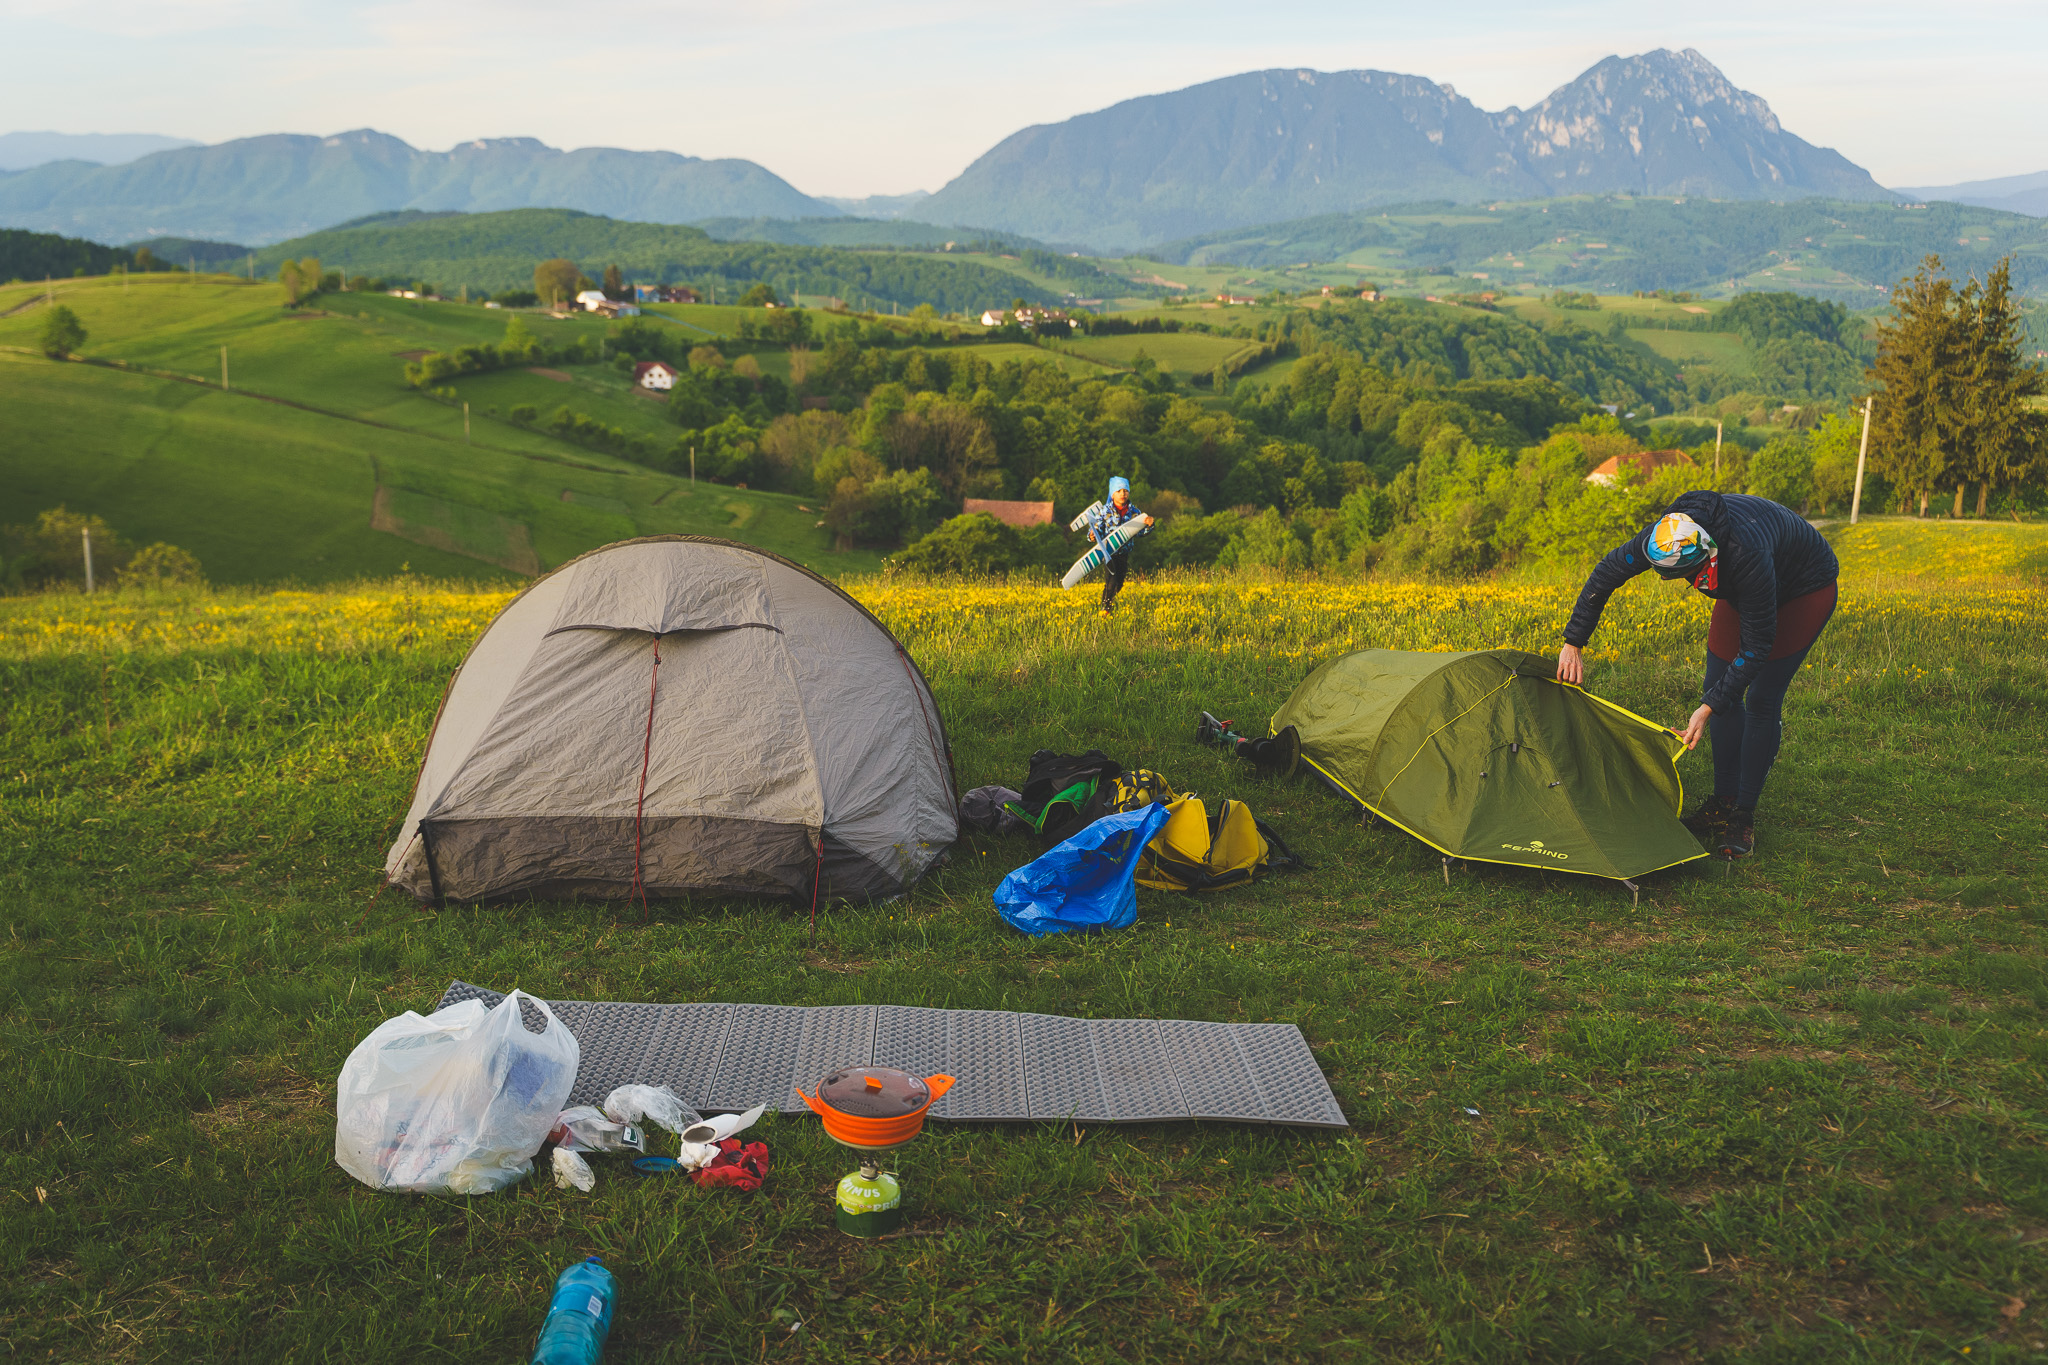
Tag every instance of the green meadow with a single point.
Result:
(277, 476)
(1786, 1111)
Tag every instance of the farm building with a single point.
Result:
(591, 299)
(1643, 462)
(664, 293)
(1032, 319)
(654, 374)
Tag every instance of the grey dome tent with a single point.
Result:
(680, 715)
(1487, 756)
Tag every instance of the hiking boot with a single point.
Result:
(1709, 820)
(1278, 755)
(1738, 840)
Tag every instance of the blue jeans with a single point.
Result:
(1746, 737)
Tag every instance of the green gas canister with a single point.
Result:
(870, 1202)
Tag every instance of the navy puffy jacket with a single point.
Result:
(1769, 555)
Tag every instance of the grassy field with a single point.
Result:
(275, 478)
(1933, 550)
(1788, 1113)
(1722, 351)
(1178, 353)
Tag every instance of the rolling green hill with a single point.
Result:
(318, 463)
(492, 252)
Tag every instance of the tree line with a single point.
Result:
(1955, 393)
(1423, 439)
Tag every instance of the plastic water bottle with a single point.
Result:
(579, 1316)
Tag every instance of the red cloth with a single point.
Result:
(1799, 623)
(742, 1167)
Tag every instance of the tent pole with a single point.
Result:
(640, 804)
(817, 876)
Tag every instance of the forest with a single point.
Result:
(1431, 439)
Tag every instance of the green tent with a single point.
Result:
(1487, 756)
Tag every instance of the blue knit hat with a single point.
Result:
(1117, 481)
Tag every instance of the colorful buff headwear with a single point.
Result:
(1117, 481)
(1678, 544)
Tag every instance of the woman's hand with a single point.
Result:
(1696, 727)
(1571, 665)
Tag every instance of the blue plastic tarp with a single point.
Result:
(1086, 883)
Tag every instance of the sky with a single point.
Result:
(891, 96)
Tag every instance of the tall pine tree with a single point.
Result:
(1920, 353)
(2002, 440)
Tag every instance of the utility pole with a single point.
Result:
(223, 369)
(1862, 452)
(1717, 451)
(465, 422)
(87, 532)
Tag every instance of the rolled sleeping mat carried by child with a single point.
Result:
(1116, 542)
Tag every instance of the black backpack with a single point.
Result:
(1064, 793)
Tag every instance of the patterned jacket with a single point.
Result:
(1108, 519)
(1769, 555)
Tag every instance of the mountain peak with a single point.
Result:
(1283, 143)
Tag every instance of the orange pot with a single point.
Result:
(874, 1107)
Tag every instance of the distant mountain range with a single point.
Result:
(1273, 145)
(263, 189)
(19, 151)
(1263, 147)
(2013, 193)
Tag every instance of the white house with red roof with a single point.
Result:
(654, 374)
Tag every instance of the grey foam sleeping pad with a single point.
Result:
(722, 1058)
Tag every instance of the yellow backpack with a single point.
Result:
(1140, 787)
(1195, 851)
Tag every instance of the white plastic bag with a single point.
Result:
(655, 1104)
(573, 1172)
(586, 1129)
(454, 1102)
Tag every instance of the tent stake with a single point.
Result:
(1447, 870)
(1636, 889)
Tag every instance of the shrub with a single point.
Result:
(161, 566)
(51, 553)
(1783, 471)
(62, 333)
(972, 544)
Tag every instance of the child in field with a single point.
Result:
(1118, 511)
